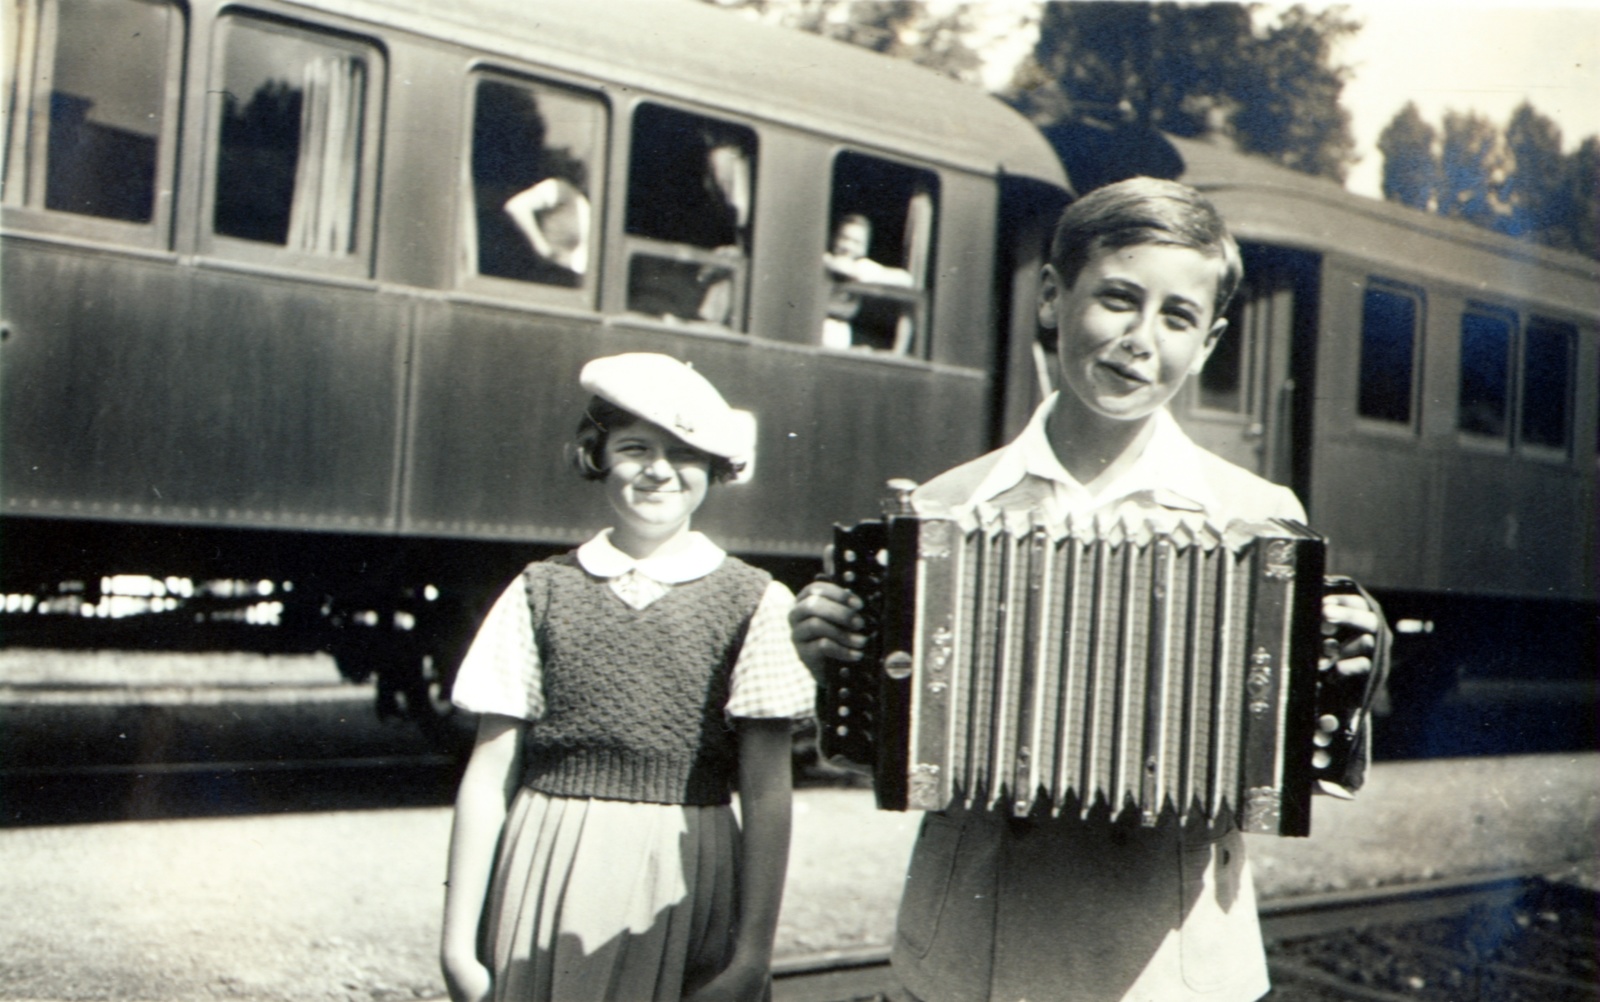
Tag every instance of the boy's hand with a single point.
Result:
(1355, 653)
(1351, 624)
(825, 623)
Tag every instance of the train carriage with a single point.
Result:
(295, 294)
(1429, 389)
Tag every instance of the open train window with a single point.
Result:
(1483, 406)
(1389, 323)
(293, 137)
(1548, 364)
(106, 80)
(691, 182)
(877, 260)
(537, 152)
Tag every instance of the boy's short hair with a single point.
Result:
(1143, 210)
(601, 419)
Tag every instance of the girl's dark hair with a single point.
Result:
(601, 418)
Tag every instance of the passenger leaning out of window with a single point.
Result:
(847, 262)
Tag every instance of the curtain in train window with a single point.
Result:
(534, 152)
(1547, 368)
(1484, 403)
(106, 81)
(876, 261)
(1388, 354)
(691, 193)
(290, 139)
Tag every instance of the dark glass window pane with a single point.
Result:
(1222, 379)
(1485, 374)
(1547, 383)
(289, 162)
(533, 151)
(107, 95)
(1388, 338)
(690, 179)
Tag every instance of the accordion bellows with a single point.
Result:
(1150, 663)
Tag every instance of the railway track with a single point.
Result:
(1504, 938)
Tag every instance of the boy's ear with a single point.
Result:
(1212, 337)
(1050, 289)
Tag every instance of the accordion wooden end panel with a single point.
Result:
(1162, 666)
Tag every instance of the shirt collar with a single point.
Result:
(1168, 462)
(695, 560)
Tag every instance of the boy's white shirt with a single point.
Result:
(1168, 462)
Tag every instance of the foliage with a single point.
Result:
(928, 35)
(1194, 70)
(1515, 180)
(1410, 168)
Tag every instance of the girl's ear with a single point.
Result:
(1050, 287)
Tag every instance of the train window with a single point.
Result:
(877, 259)
(106, 107)
(1389, 319)
(535, 150)
(1484, 401)
(291, 146)
(690, 197)
(1548, 348)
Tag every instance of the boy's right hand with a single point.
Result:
(825, 623)
(467, 980)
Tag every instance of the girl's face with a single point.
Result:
(654, 481)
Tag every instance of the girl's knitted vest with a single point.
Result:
(635, 698)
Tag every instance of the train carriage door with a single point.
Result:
(1243, 406)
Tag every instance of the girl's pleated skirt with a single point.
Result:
(610, 901)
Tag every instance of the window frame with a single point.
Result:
(1411, 427)
(357, 263)
(1536, 450)
(623, 247)
(918, 297)
(27, 150)
(584, 297)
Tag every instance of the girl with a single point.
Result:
(624, 688)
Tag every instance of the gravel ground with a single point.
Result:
(344, 904)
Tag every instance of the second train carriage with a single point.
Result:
(296, 294)
(1429, 389)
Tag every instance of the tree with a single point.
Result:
(1537, 188)
(928, 35)
(1474, 170)
(1583, 198)
(1410, 161)
(1195, 70)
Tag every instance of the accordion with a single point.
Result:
(1165, 666)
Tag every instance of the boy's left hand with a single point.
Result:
(1352, 624)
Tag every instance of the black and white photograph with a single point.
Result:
(799, 501)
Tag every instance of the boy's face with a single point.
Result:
(1133, 326)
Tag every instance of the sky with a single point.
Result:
(1476, 57)
(1464, 56)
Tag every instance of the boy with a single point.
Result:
(1094, 910)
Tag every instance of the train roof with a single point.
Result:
(723, 59)
(1266, 203)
